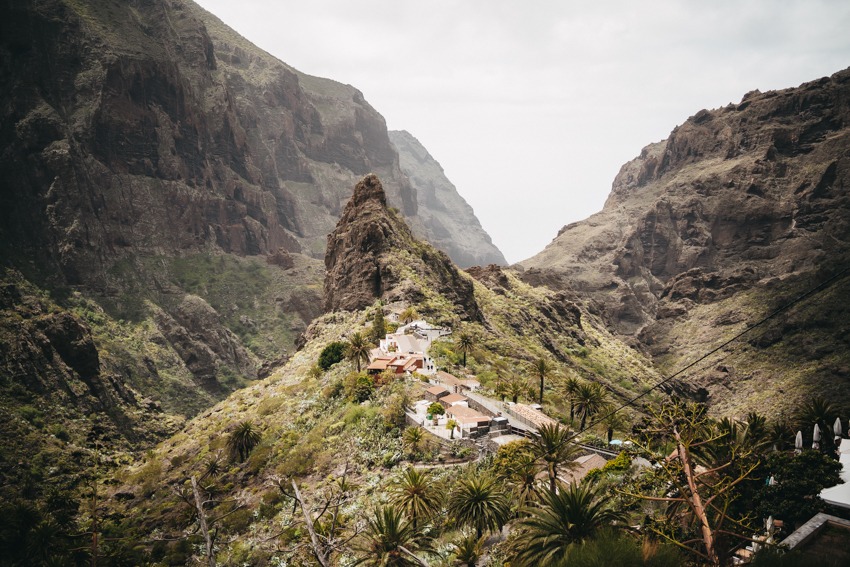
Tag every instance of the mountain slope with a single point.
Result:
(313, 431)
(739, 211)
(449, 221)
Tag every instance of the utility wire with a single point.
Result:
(808, 294)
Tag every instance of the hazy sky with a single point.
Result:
(532, 107)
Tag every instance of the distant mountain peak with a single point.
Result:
(448, 221)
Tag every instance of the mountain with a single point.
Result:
(166, 192)
(317, 427)
(450, 223)
(160, 169)
(739, 211)
(136, 128)
(373, 255)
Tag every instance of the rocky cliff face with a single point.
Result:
(143, 127)
(737, 211)
(449, 222)
(372, 254)
(149, 153)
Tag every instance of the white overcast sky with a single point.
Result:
(531, 106)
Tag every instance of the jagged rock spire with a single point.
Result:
(370, 249)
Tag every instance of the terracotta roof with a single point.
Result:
(447, 378)
(436, 390)
(379, 363)
(453, 398)
(582, 466)
(476, 419)
(532, 415)
(462, 412)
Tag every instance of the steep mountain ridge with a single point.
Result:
(741, 209)
(151, 126)
(312, 431)
(159, 166)
(373, 255)
(450, 222)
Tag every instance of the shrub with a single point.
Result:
(436, 408)
(331, 354)
(359, 387)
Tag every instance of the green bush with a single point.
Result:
(331, 354)
(359, 387)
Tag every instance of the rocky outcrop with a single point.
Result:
(739, 209)
(372, 254)
(449, 222)
(204, 344)
(152, 127)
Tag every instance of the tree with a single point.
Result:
(465, 343)
(358, 387)
(699, 482)
(564, 517)
(409, 315)
(379, 325)
(413, 438)
(799, 479)
(541, 368)
(515, 464)
(468, 550)
(591, 399)
(515, 387)
(553, 448)
(242, 441)
(820, 411)
(416, 493)
(436, 409)
(358, 349)
(571, 387)
(331, 354)
(478, 501)
(450, 425)
(390, 541)
(325, 537)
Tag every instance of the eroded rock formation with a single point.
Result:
(372, 254)
(740, 209)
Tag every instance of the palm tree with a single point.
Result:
(409, 315)
(541, 368)
(390, 541)
(571, 386)
(522, 478)
(515, 388)
(591, 399)
(570, 515)
(413, 438)
(465, 342)
(553, 448)
(415, 492)
(820, 411)
(477, 500)
(242, 441)
(358, 349)
(468, 551)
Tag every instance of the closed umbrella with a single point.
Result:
(816, 437)
(836, 427)
(798, 442)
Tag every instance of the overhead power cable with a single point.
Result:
(806, 295)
